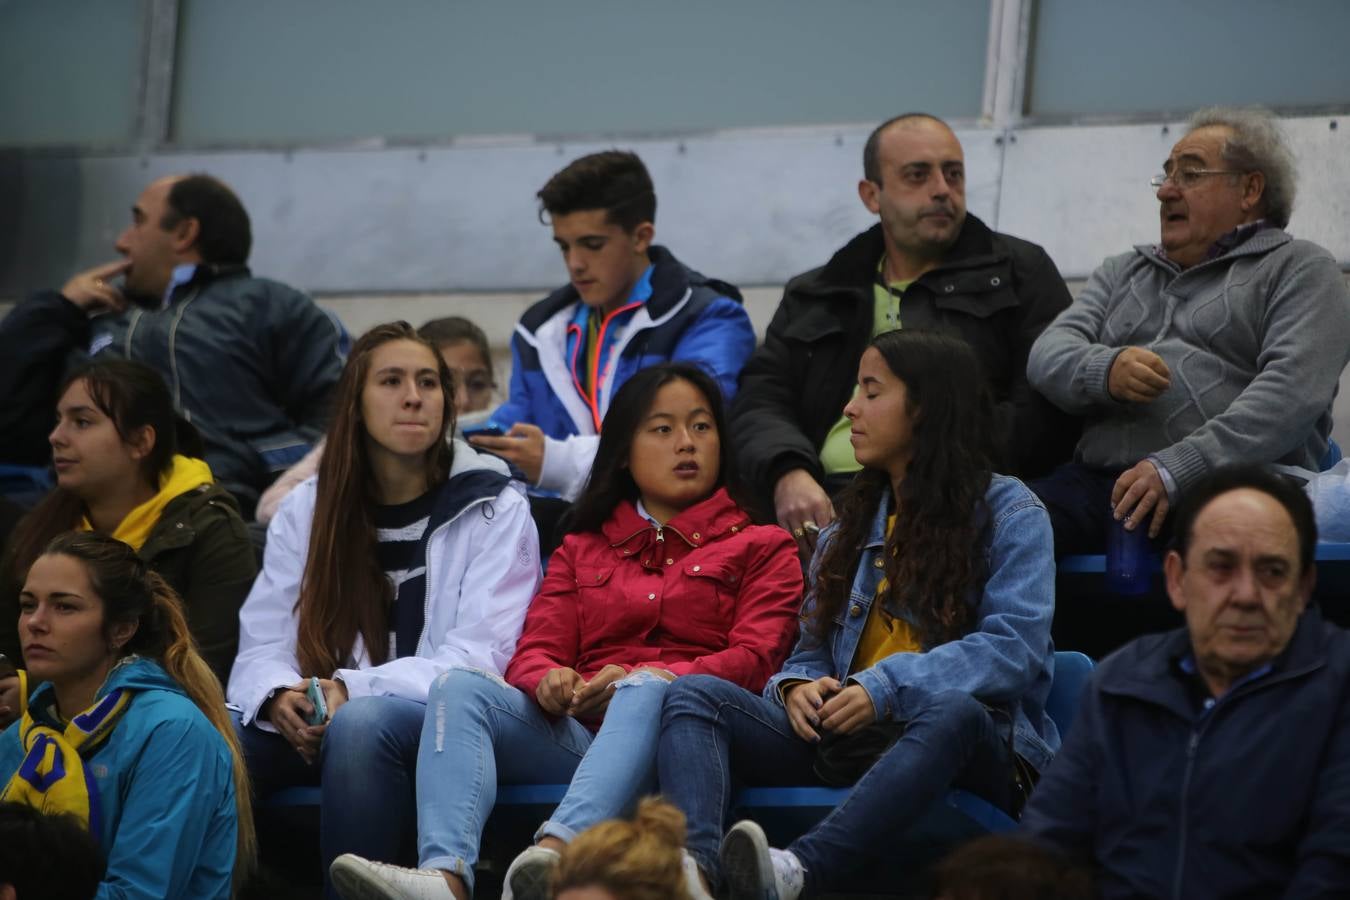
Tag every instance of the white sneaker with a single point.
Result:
(752, 870)
(693, 880)
(356, 878)
(530, 875)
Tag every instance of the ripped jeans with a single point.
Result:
(480, 731)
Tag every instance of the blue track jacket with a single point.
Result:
(687, 317)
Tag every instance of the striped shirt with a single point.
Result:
(400, 549)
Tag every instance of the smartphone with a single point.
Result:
(486, 429)
(7, 669)
(315, 695)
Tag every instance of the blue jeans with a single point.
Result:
(480, 731)
(365, 772)
(711, 728)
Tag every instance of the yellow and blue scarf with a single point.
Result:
(54, 776)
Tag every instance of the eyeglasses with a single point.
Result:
(1187, 178)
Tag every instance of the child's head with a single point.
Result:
(626, 860)
(602, 208)
(999, 867)
(51, 856)
(664, 441)
(464, 347)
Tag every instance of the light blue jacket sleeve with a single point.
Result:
(812, 657)
(720, 341)
(176, 830)
(1000, 658)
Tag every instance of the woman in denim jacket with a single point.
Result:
(954, 652)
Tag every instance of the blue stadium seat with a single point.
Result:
(1071, 675)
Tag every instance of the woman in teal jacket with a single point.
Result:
(127, 730)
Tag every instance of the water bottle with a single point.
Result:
(1129, 558)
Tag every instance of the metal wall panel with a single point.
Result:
(751, 207)
(1083, 191)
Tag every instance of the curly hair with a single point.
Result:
(930, 559)
(633, 860)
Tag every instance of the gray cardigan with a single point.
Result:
(1255, 341)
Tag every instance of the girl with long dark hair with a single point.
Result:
(123, 468)
(127, 729)
(661, 575)
(405, 556)
(464, 347)
(925, 641)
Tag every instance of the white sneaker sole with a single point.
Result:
(534, 881)
(354, 881)
(747, 870)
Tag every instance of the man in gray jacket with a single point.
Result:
(250, 362)
(1222, 344)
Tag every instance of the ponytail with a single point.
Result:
(185, 665)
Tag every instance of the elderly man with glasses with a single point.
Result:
(1223, 343)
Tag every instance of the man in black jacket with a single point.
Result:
(251, 362)
(927, 264)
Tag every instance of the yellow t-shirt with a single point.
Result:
(883, 634)
(836, 454)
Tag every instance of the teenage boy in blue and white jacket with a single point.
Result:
(628, 304)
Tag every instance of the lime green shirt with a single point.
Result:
(836, 454)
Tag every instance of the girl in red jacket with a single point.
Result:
(662, 574)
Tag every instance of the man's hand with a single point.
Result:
(555, 692)
(1138, 376)
(9, 700)
(522, 446)
(592, 699)
(848, 710)
(289, 711)
(803, 508)
(91, 292)
(804, 702)
(1137, 491)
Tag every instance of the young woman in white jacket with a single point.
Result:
(425, 558)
